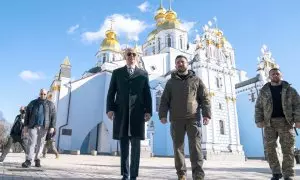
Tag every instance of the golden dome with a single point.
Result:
(171, 25)
(171, 15)
(199, 45)
(218, 32)
(110, 42)
(160, 13)
(209, 41)
(219, 45)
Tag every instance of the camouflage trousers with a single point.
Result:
(280, 128)
(191, 128)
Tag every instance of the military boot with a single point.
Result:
(276, 176)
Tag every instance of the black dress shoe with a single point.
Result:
(26, 164)
(37, 163)
(276, 176)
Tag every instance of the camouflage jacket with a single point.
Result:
(290, 104)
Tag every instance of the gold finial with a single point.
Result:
(66, 61)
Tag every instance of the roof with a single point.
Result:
(95, 69)
(247, 82)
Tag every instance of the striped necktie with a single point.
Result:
(130, 71)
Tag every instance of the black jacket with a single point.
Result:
(129, 98)
(17, 127)
(50, 136)
(49, 113)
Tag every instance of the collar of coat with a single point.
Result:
(137, 72)
(190, 74)
(285, 85)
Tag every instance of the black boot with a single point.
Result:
(26, 164)
(1, 159)
(37, 163)
(125, 178)
(276, 176)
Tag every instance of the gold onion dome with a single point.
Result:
(110, 42)
(160, 13)
(171, 15)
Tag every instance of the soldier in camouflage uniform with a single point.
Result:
(184, 93)
(277, 109)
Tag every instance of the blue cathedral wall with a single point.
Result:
(250, 135)
(162, 141)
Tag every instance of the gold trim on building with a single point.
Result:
(55, 88)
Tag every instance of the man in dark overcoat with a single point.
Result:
(129, 105)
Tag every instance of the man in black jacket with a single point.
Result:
(129, 105)
(15, 134)
(40, 118)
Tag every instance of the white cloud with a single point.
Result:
(72, 29)
(122, 24)
(188, 25)
(29, 76)
(144, 7)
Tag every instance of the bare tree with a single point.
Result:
(3, 134)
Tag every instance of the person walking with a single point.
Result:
(183, 97)
(129, 106)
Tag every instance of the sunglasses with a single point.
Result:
(130, 53)
(43, 94)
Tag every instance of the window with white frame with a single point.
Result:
(219, 82)
(220, 106)
(181, 42)
(222, 129)
(104, 58)
(158, 45)
(169, 40)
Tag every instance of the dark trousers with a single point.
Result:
(10, 141)
(178, 130)
(135, 156)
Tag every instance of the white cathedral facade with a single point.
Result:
(82, 123)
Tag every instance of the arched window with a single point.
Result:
(104, 58)
(219, 82)
(114, 57)
(181, 42)
(222, 129)
(169, 40)
(220, 106)
(158, 97)
(158, 46)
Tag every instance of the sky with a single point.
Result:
(36, 36)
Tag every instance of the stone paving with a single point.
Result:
(107, 167)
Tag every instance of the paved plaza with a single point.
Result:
(107, 167)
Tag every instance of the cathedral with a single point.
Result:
(82, 124)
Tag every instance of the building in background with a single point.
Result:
(82, 123)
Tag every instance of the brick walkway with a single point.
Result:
(107, 167)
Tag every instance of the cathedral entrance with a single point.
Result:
(97, 139)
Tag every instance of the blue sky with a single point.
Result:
(35, 36)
